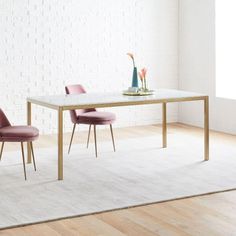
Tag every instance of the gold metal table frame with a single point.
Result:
(57, 103)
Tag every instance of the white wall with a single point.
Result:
(47, 44)
(197, 65)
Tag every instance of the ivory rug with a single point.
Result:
(140, 172)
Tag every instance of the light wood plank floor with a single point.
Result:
(210, 215)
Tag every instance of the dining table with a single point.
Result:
(62, 103)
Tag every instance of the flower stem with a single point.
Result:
(145, 84)
(133, 62)
(142, 84)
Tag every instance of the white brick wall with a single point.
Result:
(46, 44)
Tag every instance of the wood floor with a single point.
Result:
(210, 215)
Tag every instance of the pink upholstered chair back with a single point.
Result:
(3, 119)
(76, 89)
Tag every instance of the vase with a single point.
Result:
(135, 78)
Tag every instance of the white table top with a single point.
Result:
(90, 100)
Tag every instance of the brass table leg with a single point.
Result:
(164, 126)
(60, 144)
(29, 159)
(206, 129)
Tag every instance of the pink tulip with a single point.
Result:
(144, 72)
(132, 57)
(140, 75)
(141, 78)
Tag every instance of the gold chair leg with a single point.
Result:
(88, 135)
(72, 135)
(23, 158)
(32, 150)
(95, 141)
(1, 150)
(113, 141)
(29, 121)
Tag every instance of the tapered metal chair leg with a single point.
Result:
(95, 140)
(1, 150)
(113, 141)
(71, 139)
(32, 150)
(23, 158)
(88, 136)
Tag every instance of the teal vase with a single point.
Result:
(135, 78)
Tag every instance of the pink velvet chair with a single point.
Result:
(9, 133)
(89, 117)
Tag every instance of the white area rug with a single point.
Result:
(140, 172)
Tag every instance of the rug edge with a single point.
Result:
(114, 209)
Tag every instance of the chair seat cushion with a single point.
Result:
(18, 133)
(96, 118)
